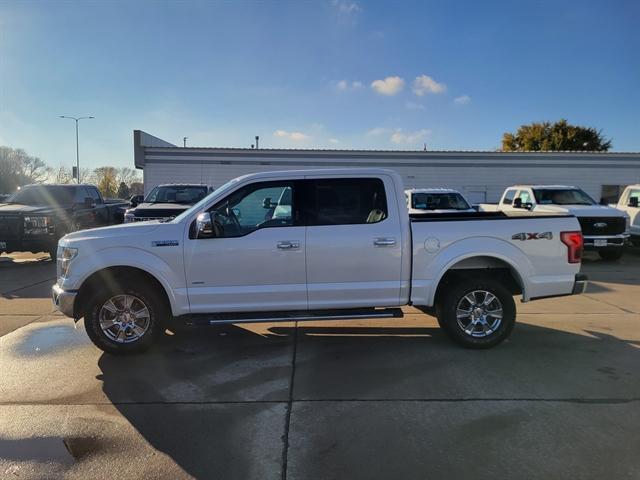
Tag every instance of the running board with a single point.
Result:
(293, 316)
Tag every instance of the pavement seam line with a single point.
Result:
(287, 422)
(610, 304)
(586, 401)
(27, 286)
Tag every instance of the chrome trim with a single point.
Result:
(294, 318)
(63, 301)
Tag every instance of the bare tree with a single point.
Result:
(18, 168)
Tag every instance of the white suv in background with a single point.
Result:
(436, 200)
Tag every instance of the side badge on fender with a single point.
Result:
(165, 243)
(532, 236)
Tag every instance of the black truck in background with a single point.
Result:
(36, 216)
(165, 202)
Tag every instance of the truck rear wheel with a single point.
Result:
(610, 254)
(477, 312)
(125, 319)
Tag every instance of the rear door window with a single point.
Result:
(345, 201)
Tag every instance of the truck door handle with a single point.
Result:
(288, 245)
(384, 242)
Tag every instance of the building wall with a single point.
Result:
(479, 183)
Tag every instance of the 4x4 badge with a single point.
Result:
(532, 236)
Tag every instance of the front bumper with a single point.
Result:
(614, 241)
(63, 301)
(34, 245)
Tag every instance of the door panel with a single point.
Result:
(248, 273)
(257, 260)
(352, 264)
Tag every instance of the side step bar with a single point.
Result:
(292, 316)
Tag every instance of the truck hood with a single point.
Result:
(156, 210)
(14, 208)
(111, 232)
(581, 210)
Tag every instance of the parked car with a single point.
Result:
(347, 249)
(36, 216)
(628, 204)
(436, 200)
(165, 202)
(605, 229)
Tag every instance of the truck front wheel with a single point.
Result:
(125, 319)
(477, 312)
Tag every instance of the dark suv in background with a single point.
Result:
(166, 201)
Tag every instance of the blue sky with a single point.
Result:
(322, 74)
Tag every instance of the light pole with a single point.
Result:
(77, 119)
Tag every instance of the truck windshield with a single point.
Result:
(186, 194)
(43, 195)
(439, 201)
(562, 196)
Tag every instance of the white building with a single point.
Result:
(481, 176)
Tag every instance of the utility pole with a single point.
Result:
(257, 140)
(77, 119)
(184, 141)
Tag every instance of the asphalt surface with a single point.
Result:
(325, 400)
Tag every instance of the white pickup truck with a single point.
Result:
(605, 229)
(346, 249)
(628, 204)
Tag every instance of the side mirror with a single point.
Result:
(204, 226)
(528, 206)
(89, 203)
(603, 201)
(633, 202)
(135, 200)
(517, 202)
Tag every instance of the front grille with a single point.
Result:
(9, 227)
(602, 225)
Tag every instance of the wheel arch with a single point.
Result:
(110, 277)
(480, 265)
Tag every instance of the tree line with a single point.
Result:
(18, 168)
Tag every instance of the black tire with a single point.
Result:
(467, 332)
(151, 300)
(611, 255)
(53, 252)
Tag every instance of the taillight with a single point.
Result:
(575, 245)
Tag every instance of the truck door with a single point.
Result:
(354, 254)
(256, 260)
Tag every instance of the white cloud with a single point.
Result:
(295, 136)
(401, 138)
(377, 131)
(414, 106)
(334, 141)
(346, 7)
(346, 85)
(389, 86)
(462, 100)
(425, 84)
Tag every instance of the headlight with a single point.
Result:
(65, 255)
(38, 225)
(128, 216)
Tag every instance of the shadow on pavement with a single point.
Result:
(194, 371)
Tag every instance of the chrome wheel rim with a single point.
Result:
(124, 318)
(479, 313)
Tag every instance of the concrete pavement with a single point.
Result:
(357, 399)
